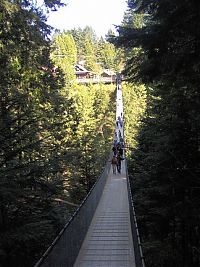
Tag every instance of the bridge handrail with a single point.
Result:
(139, 258)
(65, 247)
(97, 80)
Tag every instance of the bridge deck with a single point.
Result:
(108, 242)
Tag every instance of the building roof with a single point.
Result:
(80, 68)
(108, 72)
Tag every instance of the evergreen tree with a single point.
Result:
(90, 56)
(107, 55)
(93, 137)
(166, 165)
(48, 126)
(31, 109)
(64, 54)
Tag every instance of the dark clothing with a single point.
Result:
(119, 164)
(120, 151)
(114, 149)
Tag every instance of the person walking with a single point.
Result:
(114, 163)
(119, 163)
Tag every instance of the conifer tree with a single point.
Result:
(30, 120)
(64, 54)
(166, 165)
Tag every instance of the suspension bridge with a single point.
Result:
(103, 231)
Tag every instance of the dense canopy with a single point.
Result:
(56, 134)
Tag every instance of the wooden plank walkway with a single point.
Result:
(108, 242)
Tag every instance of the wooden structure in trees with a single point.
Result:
(85, 76)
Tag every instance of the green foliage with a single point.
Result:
(55, 136)
(164, 54)
(96, 54)
(30, 119)
(86, 43)
(90, 56)
(64, 54)
(93, 136)
(134, 100)
(107, 54)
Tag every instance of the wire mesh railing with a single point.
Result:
(139, 258)
(65, 248)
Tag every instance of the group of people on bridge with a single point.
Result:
(118, 148)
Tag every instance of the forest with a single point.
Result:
(56, 134)
(162, 44)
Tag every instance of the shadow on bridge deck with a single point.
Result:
(109, 238)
